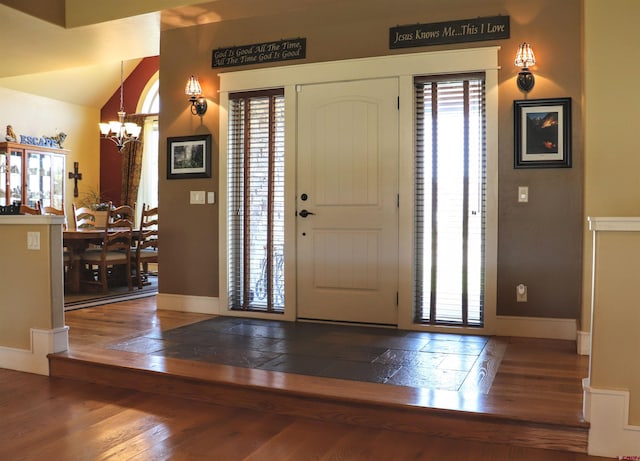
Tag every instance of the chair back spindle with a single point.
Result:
(147, 243)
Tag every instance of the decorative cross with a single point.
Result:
(76, 176)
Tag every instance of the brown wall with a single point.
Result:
(539, 242)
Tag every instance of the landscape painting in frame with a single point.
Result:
(542, 133)
(189, 157)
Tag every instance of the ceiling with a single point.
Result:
(80, 64)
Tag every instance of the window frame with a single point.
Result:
(457, 89)
(241, 255)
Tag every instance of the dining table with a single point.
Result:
(77, 241)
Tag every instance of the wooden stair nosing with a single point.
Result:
(407, 418)
(311, 386)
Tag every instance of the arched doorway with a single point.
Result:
(150, 104)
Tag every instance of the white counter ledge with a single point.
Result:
(619, 224)
(13, 219)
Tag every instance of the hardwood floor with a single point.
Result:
(73, 301)
(537, 384)
(103, 325)
(536, 378)
(66, 420)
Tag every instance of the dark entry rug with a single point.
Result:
(116, 294)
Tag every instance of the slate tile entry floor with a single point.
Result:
(379, 355)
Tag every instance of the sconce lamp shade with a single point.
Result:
(194, 91)
(524, 59)
(193, 87)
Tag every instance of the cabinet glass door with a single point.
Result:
(15, 177)
(57, 171)
(38, 179)
(4, 169)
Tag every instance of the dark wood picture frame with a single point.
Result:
(189, 157)
(542, 133)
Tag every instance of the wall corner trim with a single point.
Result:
(610, 434)
(43, 343)
(584, 342)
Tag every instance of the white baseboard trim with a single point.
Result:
(43, 342)
(532, 327)
(584, 342)
(608, 412)
(536, 327)
(186, 303)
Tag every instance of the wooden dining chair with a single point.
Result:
(26, 209)
(83, 217)
(147, 244)
(49, 210)
(121, 213)
(66, 254)
(100, 266)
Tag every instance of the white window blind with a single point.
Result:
(450, 199)
(256, 199)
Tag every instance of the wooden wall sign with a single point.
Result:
(440, 33)
(258, 53)
(42, 141)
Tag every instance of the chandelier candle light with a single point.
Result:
(120, 132)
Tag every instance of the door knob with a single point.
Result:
(305, 213)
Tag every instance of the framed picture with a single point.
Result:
(542, 133)
(189, 157)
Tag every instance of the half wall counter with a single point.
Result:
(32, 292)
(612, 391)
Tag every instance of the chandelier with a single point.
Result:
(120, 132)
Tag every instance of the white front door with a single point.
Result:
(347, 201)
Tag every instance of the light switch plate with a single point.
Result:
(33, 240)
(197, 197)
(211, 197)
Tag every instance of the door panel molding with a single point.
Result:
(347, 165)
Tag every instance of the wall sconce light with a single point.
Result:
(525, 59)
(198, 102)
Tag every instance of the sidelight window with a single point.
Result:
(256, 201)
(450, 200)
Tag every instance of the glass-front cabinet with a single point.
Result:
(29, 174)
